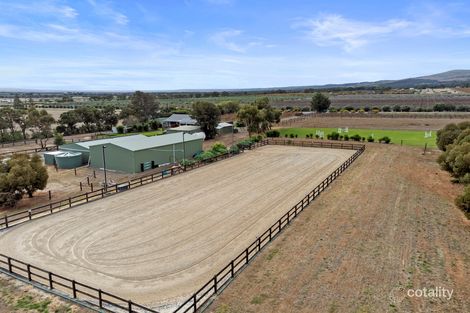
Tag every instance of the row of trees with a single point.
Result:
(91, 119)
(38, 122)
(20, 175)
(454, 141)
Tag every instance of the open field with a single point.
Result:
(410, 121)
(167, 239)
(387, 225)
(409, 137)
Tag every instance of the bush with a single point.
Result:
(386, 109)
(370, 139)
(333, 136)
(234, 149)
(291, 135)
(205, 155)
(355, 137)
(273, 133)
(59, 139)
(155, 124)
(219, 148)
(346, 137)
(145, 127)
(385, 140)
(463, 201)
(120, 129)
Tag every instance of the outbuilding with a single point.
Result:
(188, 129)
(224, 128)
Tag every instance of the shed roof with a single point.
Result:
(181, 118)
(87, 144)
(185, 128)
(223, 125)
(158, 141)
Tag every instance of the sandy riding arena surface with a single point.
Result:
(165, 240)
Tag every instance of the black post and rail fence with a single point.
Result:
(109, 302)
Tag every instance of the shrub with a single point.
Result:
(463, 201)
(155, 124)
(307, 136)
(234, 149)
(385, 139)
(219, 148)
(59, 139)
(120, 129)
(286, 135)
(346, 137)
(205, 155)
(317, 136)
(291, 135)
(296, 135)
(334, 136)
(370, 139)
(363, 138)
(145, 127)
(355, 137)
(311, 135)
(273, 133)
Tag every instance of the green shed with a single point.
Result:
(136, 154)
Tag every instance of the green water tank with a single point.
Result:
(68, 160)
(49, 157)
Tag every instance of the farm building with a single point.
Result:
(134, 154)
(224, 128)
(176, 120)
(188, 129)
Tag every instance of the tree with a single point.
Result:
(449, 133)
(20, 175)
(22, 119)
(17, 103)
(87, 115)
(109, 116)
(9, 116)
(320, 102)
(229, 106)
(40, 125)
(251, 116)
(58, 139)
(207, 115)
(144, 106)
(69, 119)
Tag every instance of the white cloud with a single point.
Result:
(335, 30)
(225, 39)
(104, 8)
(39, 8)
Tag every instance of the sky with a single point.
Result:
(127, 45)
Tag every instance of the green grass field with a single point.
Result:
(409, 137)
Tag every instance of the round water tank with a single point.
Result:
(68, 160)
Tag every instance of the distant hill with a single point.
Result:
(446, 79)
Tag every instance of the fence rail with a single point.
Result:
(113, 303)
(29, 151)
(53, 207)
(224, 276)
(79, 291)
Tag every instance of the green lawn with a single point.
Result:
(148, 134)
(409, 137)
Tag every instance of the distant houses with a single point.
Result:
(176, 120)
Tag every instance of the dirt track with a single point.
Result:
(165, 240)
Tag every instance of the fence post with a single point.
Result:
(81, 187)
(50, 195)
(232, 269)
(215, 284)
(29, 271)
(9, 265)
(129, 305)
(100, 299)
(259, 243)
(6, 221)
(86, 196)
(88, 180)
(70, 202)
(246, 255)
(91, 185)
(270, 233)
(94, 174)
(194, 303)
(74, 289)
(29, 213)
(50, 281)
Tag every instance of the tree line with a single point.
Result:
(454, 141)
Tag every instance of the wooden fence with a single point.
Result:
(62, 285)
(67, 287)
(201, 297)
(29, 151)
(64, 204)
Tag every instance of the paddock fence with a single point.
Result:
(83, 293)
(66, 287)
(53, 207)
(202, 297)
(29, 151)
